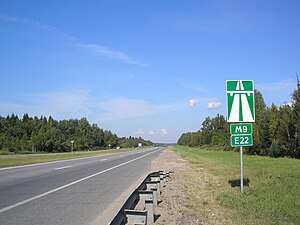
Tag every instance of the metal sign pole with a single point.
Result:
(242, 176)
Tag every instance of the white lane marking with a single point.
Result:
(70, 184)
(103, 160)
(62, 168)
(122, 156)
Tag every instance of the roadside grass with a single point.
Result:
(21, 160)
(271, 194)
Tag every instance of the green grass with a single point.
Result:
(273, 194)
(25, 159)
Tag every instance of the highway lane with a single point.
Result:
(68, 192)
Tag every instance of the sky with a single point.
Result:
(153, 69)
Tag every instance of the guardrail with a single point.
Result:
(147, 195)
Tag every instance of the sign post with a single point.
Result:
(242, 172)
(240, 112)
(72, 142)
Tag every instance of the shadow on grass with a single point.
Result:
(237, 182)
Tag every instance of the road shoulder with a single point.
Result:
(190, 194)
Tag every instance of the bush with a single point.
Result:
(4, 152)
(26, 152)
(275, 149)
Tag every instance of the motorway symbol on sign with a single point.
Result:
(240, 128)
(241, 140)
(240, 101)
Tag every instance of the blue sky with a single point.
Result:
(152, 69)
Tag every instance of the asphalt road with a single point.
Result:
(69, 192)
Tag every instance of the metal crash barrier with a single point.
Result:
(147, 195)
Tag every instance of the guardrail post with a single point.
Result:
(145, 195)
(157, 178)
(149, 209)
(155, 196)
(154, 184)
(136, 217)
(162, 178)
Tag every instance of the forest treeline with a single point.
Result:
(276, 131)
(27, 134)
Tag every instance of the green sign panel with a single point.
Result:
(240, 101)
(241, 140)
(240, 128)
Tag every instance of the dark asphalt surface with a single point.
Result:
(68, 192)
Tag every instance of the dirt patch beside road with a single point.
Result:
(190, 194)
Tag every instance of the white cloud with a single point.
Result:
(191, 86)
(139, 132)
(80, 103)
(14, 19)
(278, 86)
(214, 105)
(93, 48)
(164, 131)
(124, 108)
(110, 53)
(290, 104)
(60, 104)
(193, 102)
(277, 92)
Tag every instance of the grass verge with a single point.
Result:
(271, 194)
(26, 159)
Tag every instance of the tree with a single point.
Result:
(284, 135)
(273, 113)
(261, 135)
(48, 135)
(296, 121)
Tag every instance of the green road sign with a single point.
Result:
(240, 128)
(241, 140)
(240, 101)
